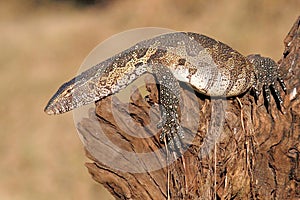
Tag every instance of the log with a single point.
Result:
(237, 150)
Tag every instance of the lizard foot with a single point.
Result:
(267, 76)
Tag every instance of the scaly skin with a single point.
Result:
(209, 66)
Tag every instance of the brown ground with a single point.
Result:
(43, 45)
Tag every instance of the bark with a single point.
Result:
(238, 150)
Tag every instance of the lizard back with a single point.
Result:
(211, 67)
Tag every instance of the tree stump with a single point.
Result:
(253, 155)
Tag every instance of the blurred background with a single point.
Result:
(44, 42)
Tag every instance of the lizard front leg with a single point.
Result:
(169, 98)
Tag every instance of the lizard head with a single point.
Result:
(78, 92)
(62, 100)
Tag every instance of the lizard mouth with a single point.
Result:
(50, 109)
(63, 96)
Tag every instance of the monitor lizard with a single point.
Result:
(211, 67)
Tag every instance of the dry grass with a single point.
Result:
(43, 46)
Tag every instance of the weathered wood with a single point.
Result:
(255, 156)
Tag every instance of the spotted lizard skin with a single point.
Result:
(211, 67)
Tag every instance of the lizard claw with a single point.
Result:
(268, 76)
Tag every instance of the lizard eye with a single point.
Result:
(181, 61)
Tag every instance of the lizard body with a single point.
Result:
(211, 67)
